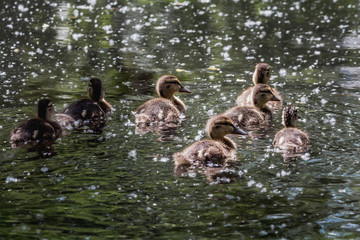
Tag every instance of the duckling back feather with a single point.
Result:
(155, 110)
(84, 109)
(34, 130)
(245, 116)
(291, 139)
(204, 152)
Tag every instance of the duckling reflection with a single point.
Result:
(291, 140)
(222, 175)
(42, 130)
(90, 112)
(260, 75)
(165, 131)
(258, 113)
(214, 152)
(162, 111)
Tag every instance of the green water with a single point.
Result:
(119, 184)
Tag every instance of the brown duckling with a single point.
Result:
(214, 152)
(260, 75)
(246, 116)
(42, 129)
(290, 137)
(90, 112)
(167, 108)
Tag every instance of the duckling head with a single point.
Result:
(290, 116)
(261, 73)
(45, 110)
(261, 94)
(168, 85)
(95, 90)
(219, 126)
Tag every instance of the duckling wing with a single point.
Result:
(157, 110)
(31, 131)
(85, 112)
(291, 139)
(84, 109)
(57, 128)
(245, 116)
(244, 99)
(66, 121)
(203, 153)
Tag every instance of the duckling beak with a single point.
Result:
(239, 131)
(274, 98)
(184, 89)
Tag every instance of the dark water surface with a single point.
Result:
(119, 184)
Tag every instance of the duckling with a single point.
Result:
(167, 108)
(246, 116)
(290, 137)
(90, 111)
(214, 152)
(37, 130)
(260, 75)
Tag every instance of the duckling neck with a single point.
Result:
(175, 100)
(56, 126)
(266, 112)
(261, 107)
(258, 78)
(230, 145)
(178, 103)
(265, 109)
(288, 124)
(107, 106)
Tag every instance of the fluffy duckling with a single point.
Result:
(260, 75)
(167, 108)
(43, 129)
(90, 111)
(214, 152)
(246, 116)
(290, 137)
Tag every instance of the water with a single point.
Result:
(121, 184)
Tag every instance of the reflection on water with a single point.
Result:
(225, 174)
(119, 183)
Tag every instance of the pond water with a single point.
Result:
(119, 184)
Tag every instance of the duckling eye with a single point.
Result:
(217, 127)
